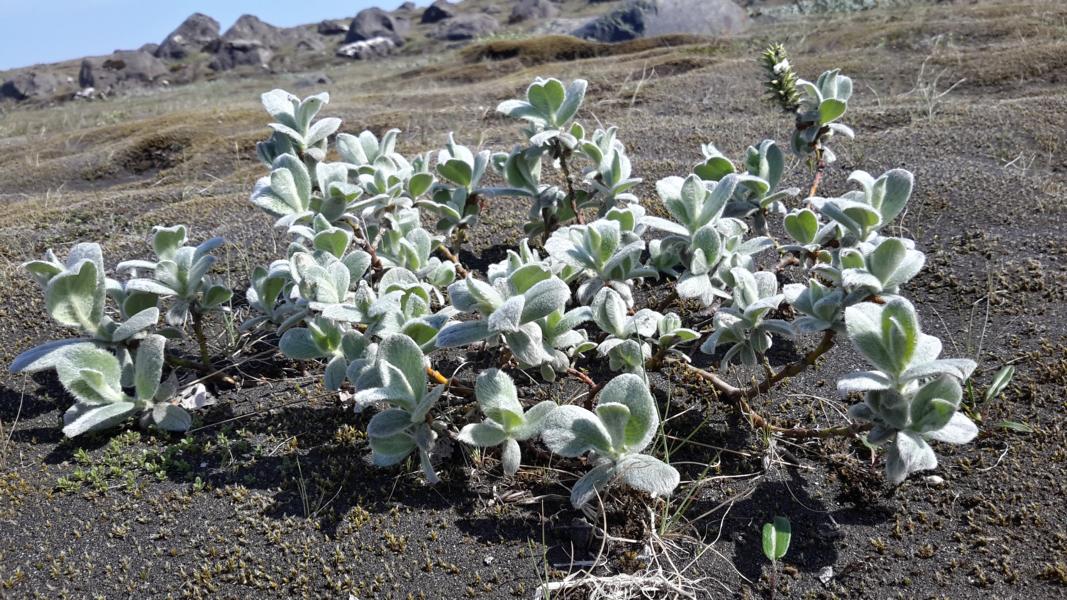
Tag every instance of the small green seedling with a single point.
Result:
(776, 538)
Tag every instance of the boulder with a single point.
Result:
(249, 42)
(466, 27)
(302, 37)
(250, 27)
(438, 11)
(30, 85)
(372, 23)
(332, 27)
(198, 33)
(119, 71)
(407, 6)
(150, 48)
(526, 10)
(557, 26)
(241, 53)
(648, 18)
(310, 44)
(367, 49)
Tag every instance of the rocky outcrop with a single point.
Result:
(332, 27)
(526, 10)
(249, 42)
(648, 18)
(241, 53)
(438, 11)
(198, 33)
(367, 49)
(466, 27)
(310, 44)
(27, 85)
(372, 23)
(120, 71)
(251, 27)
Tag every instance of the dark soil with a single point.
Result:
(271, 494)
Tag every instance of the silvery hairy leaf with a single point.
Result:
(506, 422)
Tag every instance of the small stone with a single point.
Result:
(826, 574)
(934, 480)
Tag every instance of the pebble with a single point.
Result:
(826, 574)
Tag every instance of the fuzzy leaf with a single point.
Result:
(648, 474)
(544, 298)
(298, 343)
(495, 390)
(81, 418)
(508, 317)
(571, 431)
(336, 371)
(43, 357)
(388, 423)
(960, 429)
(908, 453)
(510, 457)
(485, 434)
(630, 390)
(401, 352)
(91, 374)
(462, 333)
(76, 297)
(170, 417)
(586, 488)
(136, 324)
(149, 366)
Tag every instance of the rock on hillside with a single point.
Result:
(28, 85)
(122, 70)
(375, 22)
(366, 49)
(438, 11)
(465, 27)
(647, 18)
(249, 42)
(241, 53)
(528, 10)
(251, 27)
(332, 27)
(198, 33)
(196, 48)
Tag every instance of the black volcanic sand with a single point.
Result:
(271, 494)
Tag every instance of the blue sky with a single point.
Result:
(44, 31)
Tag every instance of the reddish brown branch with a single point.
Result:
(594, 387)
(461, 271)
(458, 390)
(739, 397)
